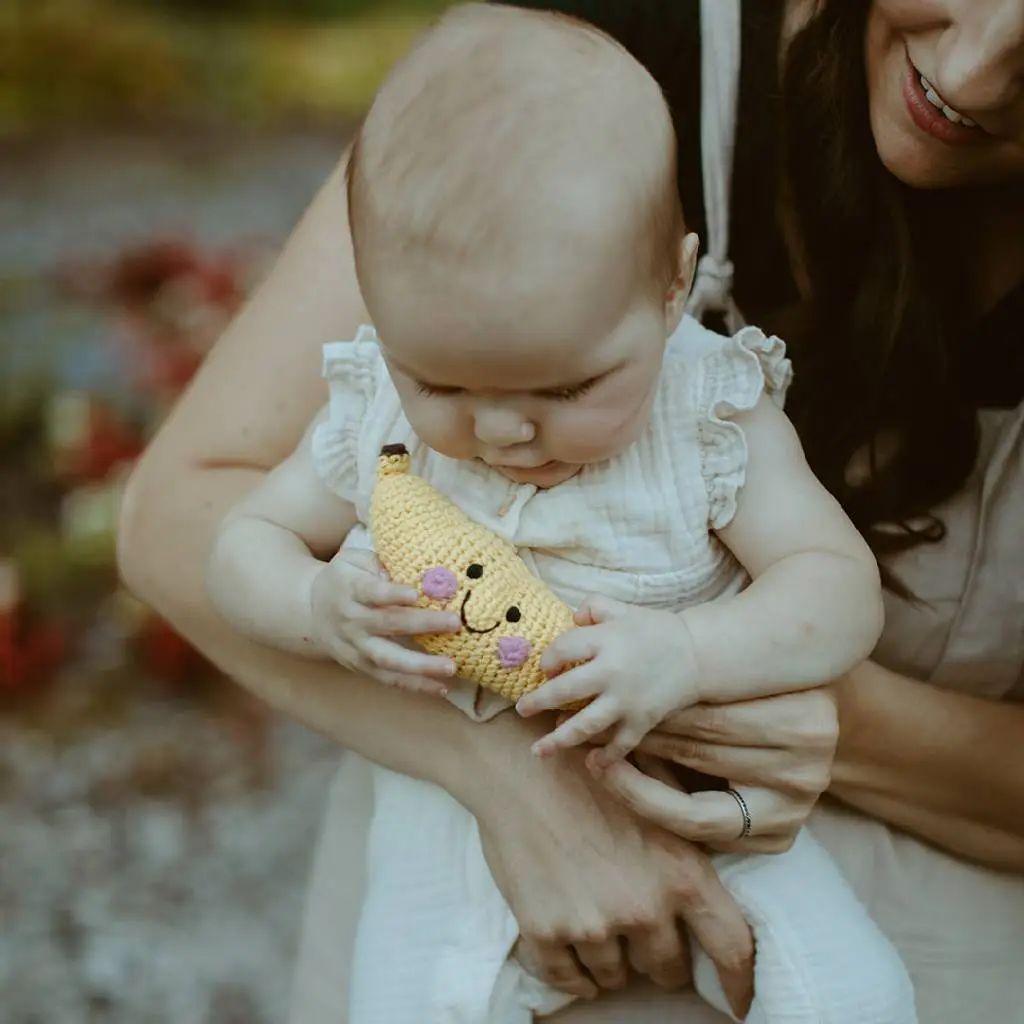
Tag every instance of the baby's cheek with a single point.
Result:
(591, 435)
(440, 424)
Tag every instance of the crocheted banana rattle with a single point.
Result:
(508, 616)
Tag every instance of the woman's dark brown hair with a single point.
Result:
(879, 357)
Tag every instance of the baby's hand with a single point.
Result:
(638, 667)
(356, 611)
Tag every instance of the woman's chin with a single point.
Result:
(912, 162)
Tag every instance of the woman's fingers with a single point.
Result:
(805, 773)
(715, 921)
(710, 817)
(556, 965)
(662, 955)
(656, 767)
(775, 843)
(591, 721)
(772, 842)
(804, 720)
(749, 765)
(605, 962)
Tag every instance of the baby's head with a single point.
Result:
(519, 241)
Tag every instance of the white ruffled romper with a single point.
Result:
(435, 935)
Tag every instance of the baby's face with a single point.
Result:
(533, 375)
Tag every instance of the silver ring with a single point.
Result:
(744, 810)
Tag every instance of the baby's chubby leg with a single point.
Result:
(820, 958)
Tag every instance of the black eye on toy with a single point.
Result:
(475, 571)
(513, 614)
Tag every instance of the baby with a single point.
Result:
(521, 250)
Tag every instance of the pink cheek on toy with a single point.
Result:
(513, 651)
(439, 583)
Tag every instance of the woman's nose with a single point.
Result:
(981, 56)
(501, 427)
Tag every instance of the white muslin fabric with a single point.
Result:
(434, 937)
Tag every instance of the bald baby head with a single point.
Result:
(510, 139)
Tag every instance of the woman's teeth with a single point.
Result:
(948, 112)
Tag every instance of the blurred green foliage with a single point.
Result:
(289, 8)
(165, 63)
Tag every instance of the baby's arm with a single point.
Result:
(276, 574)
(812, 612)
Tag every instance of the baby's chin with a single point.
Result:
(551, 474)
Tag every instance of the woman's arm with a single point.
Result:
(942, 765)
(243, 414)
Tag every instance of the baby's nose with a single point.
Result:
(500, 427)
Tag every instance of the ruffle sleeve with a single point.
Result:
(352, 370)
(732, 379)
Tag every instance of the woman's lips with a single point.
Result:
(930, 119)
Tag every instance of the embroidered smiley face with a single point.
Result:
(508, 616)
(440, 584)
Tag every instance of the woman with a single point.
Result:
(903, 201)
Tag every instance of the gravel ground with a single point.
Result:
(147, 876)
(153, 844)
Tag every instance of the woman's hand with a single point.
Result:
(776, 751)
(596, 890)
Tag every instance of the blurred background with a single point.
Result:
(156, 825)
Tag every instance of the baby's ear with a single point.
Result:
(679, 290)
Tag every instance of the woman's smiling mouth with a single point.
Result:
(930, 112)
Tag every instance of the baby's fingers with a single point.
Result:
(413, 684)
(581, 727)
(387, 656)
(579, 684)
(408, 621)
(377, 592)
(570, 649)
(623, 742)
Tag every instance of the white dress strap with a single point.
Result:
(719, 88)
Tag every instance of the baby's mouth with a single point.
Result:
(465, 621)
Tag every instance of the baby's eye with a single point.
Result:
(572, 391)
(513, 614)
(433, 390)
(475, 571)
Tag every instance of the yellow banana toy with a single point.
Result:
(508, 615)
